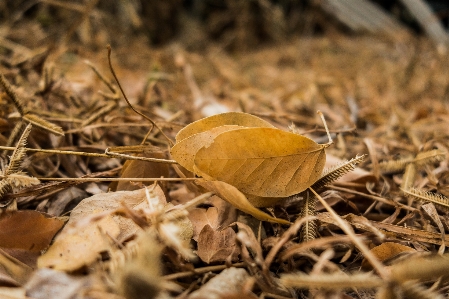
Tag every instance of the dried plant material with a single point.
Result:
(27, 230)
(202, 217)
(231, 118)
(429, 157)
(421, 159)
(387, 251)
(265, 162)
(216, 245)
(49, 283)
(408, 179)
(421, 267)
(12, 95)
(74, 249)
(18, 154)
(142, 169)
(238, 200)
(439, 200)
(401, 233)
(332, 281)
(43, 124)
(228, 282)
(14, 269)
(109, 202)
(184, 151)
(415, 290)
(11, 176)
(334, 173)
(308, 229)
(394, 166)
(433, 214)
(140, 276)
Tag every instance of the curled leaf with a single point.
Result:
(238, 199)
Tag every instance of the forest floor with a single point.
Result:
(383, 98)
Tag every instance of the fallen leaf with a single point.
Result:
(84, 238)
(216, 245)
(28, 230)
(228, 282)
(76, 248)
(238, 200)
(202, 217)
(185, 150)
(13, 268)
(230, 118)
(386, 251)
(264, 162)
(142, 169)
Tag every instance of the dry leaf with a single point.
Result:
(142, 169)
(238, 200)
(230, 118)
(264, 162)
(202, 217)
(75, 248)
(13, 268)
(81, 241)
(229, 281)
(215, 245)
(28, 230)
(386, 251)
(184, 151)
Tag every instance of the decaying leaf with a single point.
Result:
(216, 245)
(265, 162)
(142, 169)
(238, 199)
(28, 230)
(228, 283)
(387, 251)
(202, 217)
(77, 248)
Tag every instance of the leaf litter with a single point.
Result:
(365, 217)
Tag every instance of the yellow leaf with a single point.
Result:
(238, 199)
(184, 151)
(230, 118)
(265, 162)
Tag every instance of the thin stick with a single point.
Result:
(373, 197)
(60, 152)
(127, 101)
(201, 271)
(117, 179)
(325, 127)
(357, 241)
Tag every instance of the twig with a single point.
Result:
(357, 241)
(201, 271)
(127, 101)
(117, 179)
(61, 152)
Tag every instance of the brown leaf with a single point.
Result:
(202, 217)
(386, 251)
(29, 230)
(13, 268)
(238, 200)
(184, 151)
(215, 246)
(142, 169)
(264, 162)
(76, 248)
(230, 118)
(229, 282)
